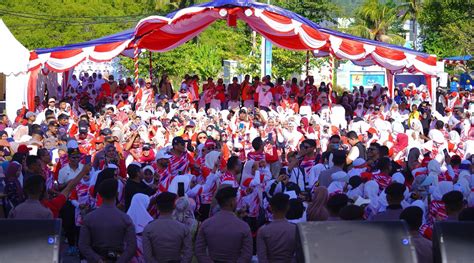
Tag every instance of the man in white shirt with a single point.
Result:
(265, 96)
(98, 83)
(72, 169)
(67, 212)
(74, 83)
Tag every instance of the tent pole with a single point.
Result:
(307, 63)
(151, 65)
(135, 59)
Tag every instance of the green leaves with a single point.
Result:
(378, 21)
(447, 27)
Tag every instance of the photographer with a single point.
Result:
(282, 184)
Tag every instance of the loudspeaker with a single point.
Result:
(453, 242)
(354, 241)
(30, 240)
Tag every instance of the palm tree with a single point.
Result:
(376, 20)
(410, 10)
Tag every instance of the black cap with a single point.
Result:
(146, 146)
(83, 126)
(178, 140)
(106, 132)
(226, 193)
(73, 151)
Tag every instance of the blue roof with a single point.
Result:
(459, 58)
(121, 36)
(124, 35)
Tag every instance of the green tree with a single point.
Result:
(378, 21)
(314, 10)
(446, 27)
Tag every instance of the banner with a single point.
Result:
(367, 80)
(268, 57)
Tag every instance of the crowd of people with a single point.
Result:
(222, 173)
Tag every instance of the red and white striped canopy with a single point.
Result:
(282, 27)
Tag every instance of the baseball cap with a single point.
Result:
(178, 140)
(23, 149)
(190, 124)
(83, 126)
(73, 151)
(30, 114)
(162, 155)
(106, 131)
(146, 146)
(148, 80)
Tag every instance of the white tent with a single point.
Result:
(14, 59)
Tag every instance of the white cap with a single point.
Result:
(162, 155)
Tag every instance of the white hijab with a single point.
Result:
(138, 212)
(211, 159)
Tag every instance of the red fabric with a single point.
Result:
(55, 204)
(31, 92)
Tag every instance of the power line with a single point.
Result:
(74, 17)
(66, 21)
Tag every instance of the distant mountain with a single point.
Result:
(348, 6)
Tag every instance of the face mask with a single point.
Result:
(335, 146)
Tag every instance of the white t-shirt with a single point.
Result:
(354, 153)
(265, 99)
(66, 174)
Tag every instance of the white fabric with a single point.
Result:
(138, 212)
(14, 57)
(211, 159)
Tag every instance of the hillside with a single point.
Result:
(348, 6)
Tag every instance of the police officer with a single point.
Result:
(166, 239)
(224, 237)
(108, 234)
(276, 242)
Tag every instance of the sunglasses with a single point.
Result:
(202, 137)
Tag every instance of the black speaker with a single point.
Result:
(354, 241)
(30, 240)
(453, 242)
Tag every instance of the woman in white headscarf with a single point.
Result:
(292, 136)
(211, 183)
(140, 217)
(371, 191)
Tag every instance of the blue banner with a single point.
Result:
(268, 57)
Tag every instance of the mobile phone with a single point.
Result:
(445, 152)
(180, 189)
(88, 159)
(270, 137)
